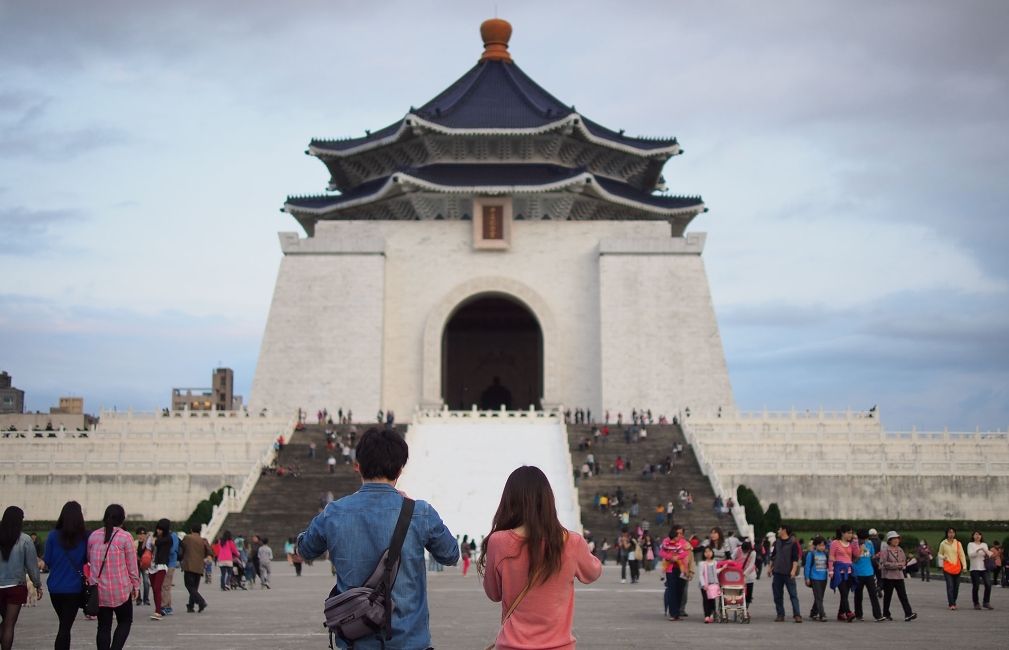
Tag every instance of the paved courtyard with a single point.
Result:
(608, 615)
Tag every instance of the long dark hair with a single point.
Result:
(10, 530)
(71, 525)
(115, 515)
(528, 501)
(721, 538)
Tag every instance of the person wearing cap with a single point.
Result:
(893, 561)
(877, 545)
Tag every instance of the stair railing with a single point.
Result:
(738, 513)
(234, 500)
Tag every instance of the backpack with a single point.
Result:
(364, 611)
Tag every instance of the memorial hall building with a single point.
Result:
(494, 247)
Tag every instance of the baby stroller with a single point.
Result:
(238, 576)
(733, 598)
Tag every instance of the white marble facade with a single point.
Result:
(360, 308)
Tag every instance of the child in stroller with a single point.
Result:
(732, 584)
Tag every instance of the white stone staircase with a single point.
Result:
(460, 460)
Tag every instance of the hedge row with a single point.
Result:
(883, 525)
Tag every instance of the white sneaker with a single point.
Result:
(623, 581)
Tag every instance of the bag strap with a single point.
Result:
(399, 534)
(392, 560)
(109, 546)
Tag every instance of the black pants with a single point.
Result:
(843, 608)
(868, 583)
(192, 582)
(709, 604)
(635, 570)
(66, 606)
(889, 586)
(105, 639)
(297, 568)
(976, 578)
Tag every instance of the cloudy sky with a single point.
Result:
(854, 156)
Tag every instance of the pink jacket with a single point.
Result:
(228, 552)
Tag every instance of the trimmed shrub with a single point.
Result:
(772, 519)
(747, 498)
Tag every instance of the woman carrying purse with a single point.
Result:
(529, 563)
(113, 562)
(65, 555)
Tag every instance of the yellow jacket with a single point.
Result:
(953, 551)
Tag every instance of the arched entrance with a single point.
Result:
(492, 354)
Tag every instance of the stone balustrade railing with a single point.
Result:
(735, 415)
(744, 528)
(235, 500)
(531, 415)
(190, 421)
(797, 433)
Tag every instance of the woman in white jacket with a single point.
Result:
(977, 554)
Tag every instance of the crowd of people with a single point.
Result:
(119, 571)
(863, 569)
(528, 563)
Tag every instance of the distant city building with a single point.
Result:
(195, 399)
(12, 400)
(219, 396)
(224, 389)
(69, 406)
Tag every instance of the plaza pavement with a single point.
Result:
(608, 615)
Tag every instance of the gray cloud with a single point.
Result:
(25, 131)
(25, 231)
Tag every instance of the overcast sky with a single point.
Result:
(854, 157)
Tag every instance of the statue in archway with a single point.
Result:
(495, 396)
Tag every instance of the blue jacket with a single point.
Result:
(816, 565)
(863, 565)
(173, 555)
(357, 529)
(65, 566)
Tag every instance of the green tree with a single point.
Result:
(772, 519)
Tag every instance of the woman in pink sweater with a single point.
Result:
(840, 568)
(529, 563)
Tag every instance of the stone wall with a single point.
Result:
(154, 466)
(818, 465)
(871, 496)
(661, 348)
(364, 304)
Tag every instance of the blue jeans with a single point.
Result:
(778, 584)
(952, 587)
(225, 575)
(674, 589)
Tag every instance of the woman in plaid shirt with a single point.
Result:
(113, 562)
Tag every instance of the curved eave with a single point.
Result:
(413, 122)
(583, 180)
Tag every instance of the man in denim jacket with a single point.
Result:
(358, 528)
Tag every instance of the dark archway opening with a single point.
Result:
(492, 354)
